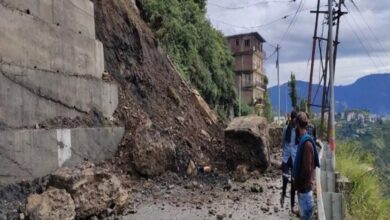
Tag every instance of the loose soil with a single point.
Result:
(155, 103)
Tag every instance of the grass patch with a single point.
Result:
(366, 200)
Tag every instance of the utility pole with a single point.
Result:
(337, 17)
(313, 53)
(239, 96)
(331, 126)
(277, 67)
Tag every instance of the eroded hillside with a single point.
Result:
(166, 124)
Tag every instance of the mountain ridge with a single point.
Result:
(371, 92)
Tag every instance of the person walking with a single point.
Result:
(289, 146)
(303, 170)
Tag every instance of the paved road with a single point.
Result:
(239, 203)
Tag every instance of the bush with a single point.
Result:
(246, 109)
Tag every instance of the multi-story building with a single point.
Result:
(249, 56)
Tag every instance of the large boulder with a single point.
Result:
(275, 138)
(53, 204)
(152, 154)
(246, 143)
(93, 189)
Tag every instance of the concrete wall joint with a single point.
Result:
(39, 94)
(28, 172)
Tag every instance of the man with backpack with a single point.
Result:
(306, 161)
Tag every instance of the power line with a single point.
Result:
(252, 27)
(361, 42)
(292, 21)
(363, 33)
(365, 39)
(369, 27)
(261, 25)
(248, 6)
(269, 56)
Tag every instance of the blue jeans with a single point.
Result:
(306, 205)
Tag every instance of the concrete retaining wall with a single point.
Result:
(51, 65)
(31, 42)
(74, 15)
(50, 62)
(28, 154)
(29, 96)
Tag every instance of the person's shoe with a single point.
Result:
(282, 201)
(295, 212)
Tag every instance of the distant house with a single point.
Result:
(342, 115)
(361, 118)
(351, 116)
(372, 118)
(248, 53)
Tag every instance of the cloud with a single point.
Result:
(364, 47)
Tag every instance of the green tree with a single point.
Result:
(292, 85)
(267, 112)
(200, 52)
(302, 105)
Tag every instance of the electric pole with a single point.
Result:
(239, 96)
(277, 67)
(336, 15)
(313, 53)
(331, 127)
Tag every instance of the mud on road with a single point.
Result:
(204, 197)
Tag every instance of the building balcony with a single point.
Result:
(249, 69)
(257, 85)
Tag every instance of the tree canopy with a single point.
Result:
(198, 50)
(292, 85)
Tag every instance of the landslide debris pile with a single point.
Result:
(251, 145)
(167, 123)
(81, 193)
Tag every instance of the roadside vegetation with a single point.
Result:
(366, 200)
(373, 139)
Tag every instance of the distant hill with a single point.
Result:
(370, 92)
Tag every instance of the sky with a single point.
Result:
(364, 35)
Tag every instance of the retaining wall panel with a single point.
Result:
(27, 41)
(74, 15)
(21, 107)
(28, 154)
(85, 94)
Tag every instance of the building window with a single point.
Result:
(247, 43)
(237, 42)
(247, 80)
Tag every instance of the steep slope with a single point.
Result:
(370, 92)
(166, 124)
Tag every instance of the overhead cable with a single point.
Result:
(247, 6)
(301, 3)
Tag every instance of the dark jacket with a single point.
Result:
(305, 162)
